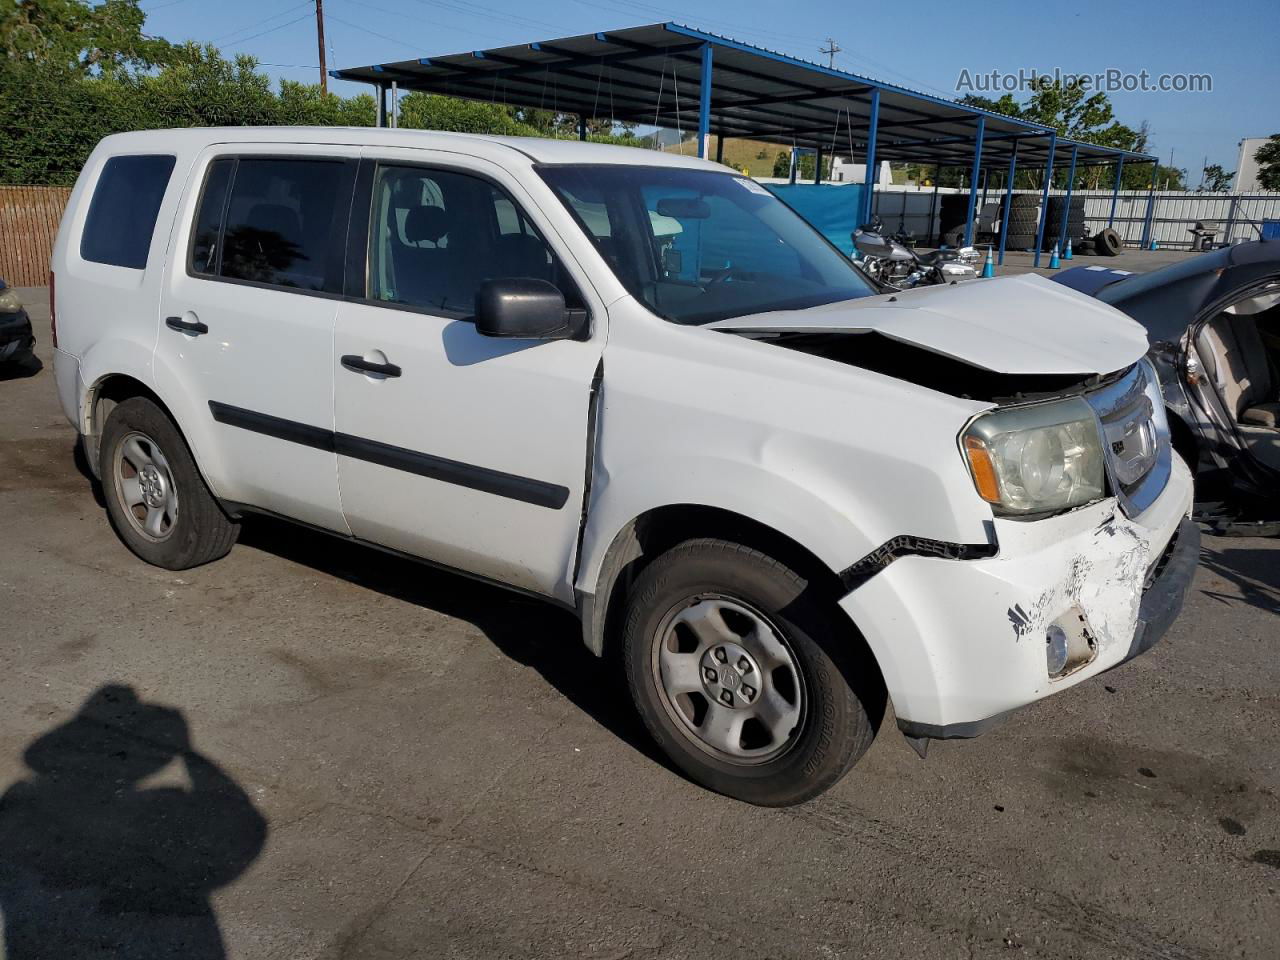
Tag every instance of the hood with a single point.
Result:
(1012, 325)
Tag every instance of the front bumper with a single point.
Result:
(16, 337)
(962, 643)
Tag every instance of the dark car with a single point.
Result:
(1214, 325)
(16, 338)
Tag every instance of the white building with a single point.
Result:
(1246, 180)
(844, 171)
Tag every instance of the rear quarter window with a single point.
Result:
(122, 213)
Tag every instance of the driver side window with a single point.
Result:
(436, 235)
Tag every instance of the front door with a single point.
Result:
(459, 448)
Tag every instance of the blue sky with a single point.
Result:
(1234, 42)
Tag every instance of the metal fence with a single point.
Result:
(1238, 216)
(29, 218)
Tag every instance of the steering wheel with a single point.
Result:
(728, 273)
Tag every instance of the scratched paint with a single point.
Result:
(1104, 581)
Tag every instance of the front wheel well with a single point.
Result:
(651, 534)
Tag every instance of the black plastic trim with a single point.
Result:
(949, 731)
(509, 485)
(1166, 589)
(270, 426)
(907, 546)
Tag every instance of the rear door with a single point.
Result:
(473, 452)
(249, 304)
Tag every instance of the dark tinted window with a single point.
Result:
(435, 236)
(206, 239)
(280, 221)
(122, 214)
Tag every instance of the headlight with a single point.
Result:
(1036, 459)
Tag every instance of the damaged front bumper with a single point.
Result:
(962, 643)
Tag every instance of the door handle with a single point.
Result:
(186, 326)
(354, 362)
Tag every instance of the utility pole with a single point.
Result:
(324, 74)
(830, 50)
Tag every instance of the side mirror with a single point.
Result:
(523, 308)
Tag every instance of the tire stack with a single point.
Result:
(1024, 217)
(1074, 217)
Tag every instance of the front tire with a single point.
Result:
(748, 679)
(156, 499)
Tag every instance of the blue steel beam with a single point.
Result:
(870, 178)
(973, 179)
(1044, 196)
(704, 101)
(1149, 220)
(1008, 201)
(1066, 203)
(1115, 192)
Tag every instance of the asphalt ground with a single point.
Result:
(309, 749)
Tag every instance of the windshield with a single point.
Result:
(699, 246)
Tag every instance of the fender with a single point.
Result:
(766, 497)
(610, 539)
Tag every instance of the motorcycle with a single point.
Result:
(893, 261)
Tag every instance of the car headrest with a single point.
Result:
(426, 223)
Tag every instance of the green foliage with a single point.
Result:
(782, 164)
(1087, 118)
(103, 38)
(424, 111)
(1267, 157)
(1215, 178)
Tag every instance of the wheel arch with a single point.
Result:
(656, 530)
(101, 397)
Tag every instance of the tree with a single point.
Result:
(1215, 178)
(73, 34)
(1267, 157)
(1076, 116)
(782, 164)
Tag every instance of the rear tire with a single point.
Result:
(156, 499)
(745, 676)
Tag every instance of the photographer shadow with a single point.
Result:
(96, 863)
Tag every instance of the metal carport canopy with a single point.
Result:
(654, 75)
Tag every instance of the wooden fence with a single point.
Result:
(28, 225)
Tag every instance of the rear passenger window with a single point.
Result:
(273, 221)
(122, 214)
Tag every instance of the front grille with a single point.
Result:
(1135, 437)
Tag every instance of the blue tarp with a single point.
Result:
(834, 210)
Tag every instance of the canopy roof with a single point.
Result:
(652, 75)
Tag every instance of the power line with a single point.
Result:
(255, 36)
(258, 23)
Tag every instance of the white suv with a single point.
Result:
(641, 387)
